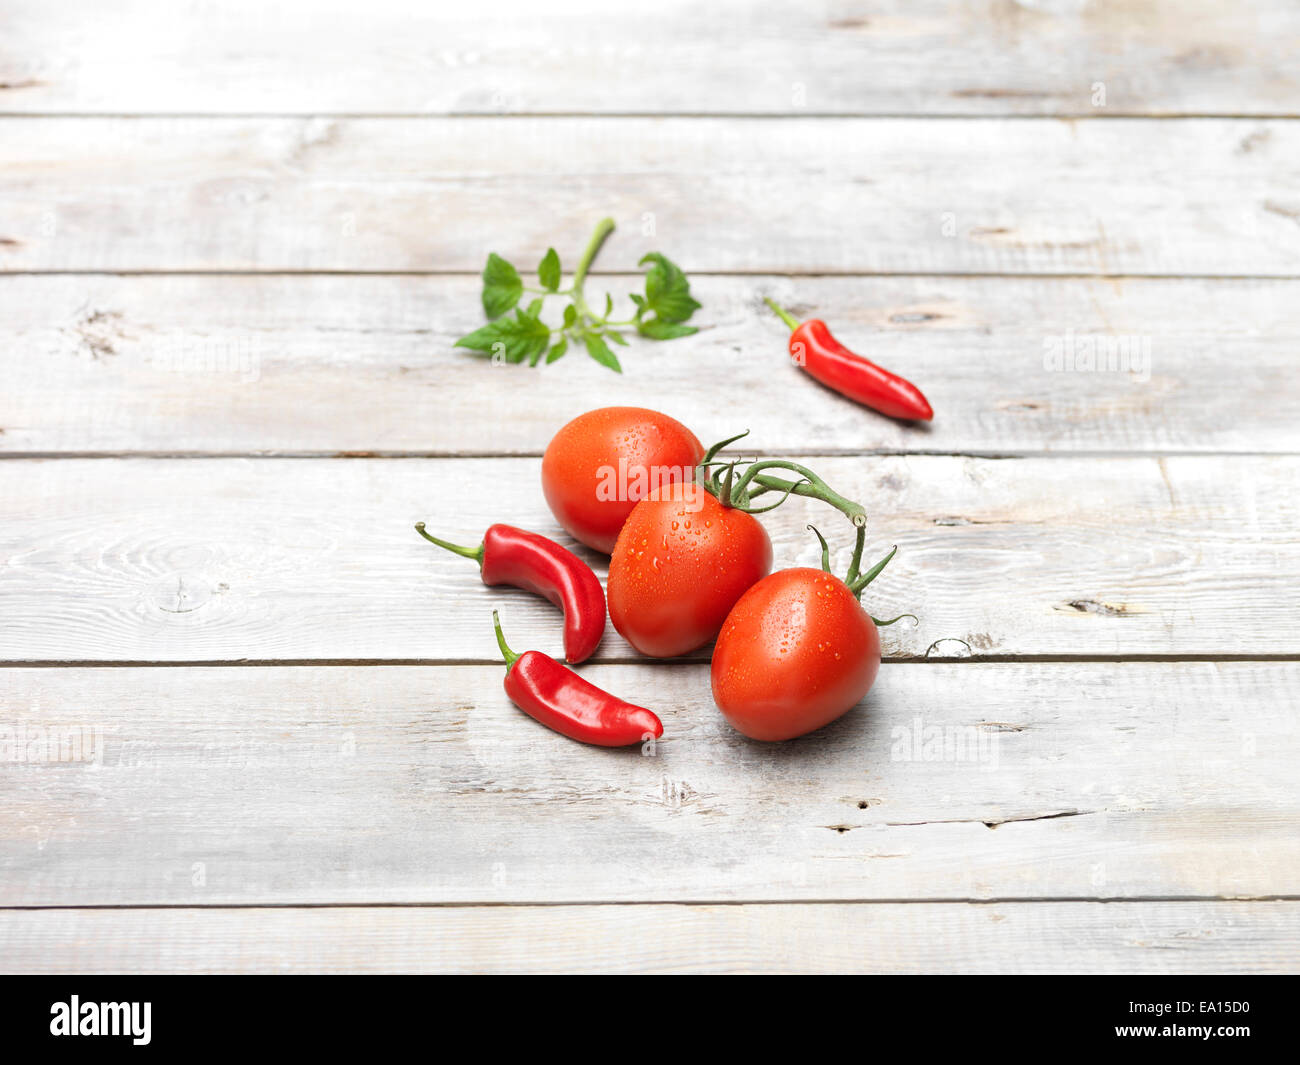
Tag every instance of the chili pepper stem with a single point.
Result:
(783, 314)
(476, 553)
(508, 654)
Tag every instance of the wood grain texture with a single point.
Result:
(960, 820)
(1075, 937)
(315, 559)
(240, 364)
(958, 781)
(1124, 196)
(992, 57)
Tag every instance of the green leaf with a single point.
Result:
(501, 286)
(510, 339)
(558, 351)
(640, 304)
(534, 308)
(616, 337)
(667, 292)
(570, 316)
(609, 304)
(548, 270)
(658, 329)
(599, 351)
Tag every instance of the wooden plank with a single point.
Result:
(957, 781)
(1125, 196)
(180, 363)
(883, 56)
(314, 559)
(1074, 937)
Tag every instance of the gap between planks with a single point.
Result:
(766, 116)
(825, 452)
(937, 275)
(1009, 900)
(687, 660)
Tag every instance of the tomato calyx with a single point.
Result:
(855, 581)
(738, 487)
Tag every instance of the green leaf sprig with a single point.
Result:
(660, 314)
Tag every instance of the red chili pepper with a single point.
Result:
(526, 560)
(560, 699)
(827, 360)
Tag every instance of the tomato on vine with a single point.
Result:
(798, 650)
(681, 561)
(689, 551)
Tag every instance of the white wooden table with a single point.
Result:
(238, 241)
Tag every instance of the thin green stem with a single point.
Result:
(713, 451)
(603, 229)
(749, 509)
(725, 496)
(882, 624)
(509, 655)
(855, 562)
(826, 550)
(783, 314)
(710, 482)
(871, 574)
(476, 553)
(813, 487)
(739, 492)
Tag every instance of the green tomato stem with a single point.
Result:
(871, 574)
(813, 487)
(753, 482)
(855, 563)
(882, 624)
(826, 550)
(751, 509)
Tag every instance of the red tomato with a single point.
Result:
(795, 653)
(682, 561)
(600, 465)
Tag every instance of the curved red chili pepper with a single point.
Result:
(560, 699)
(529, 561)
(827, 360)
